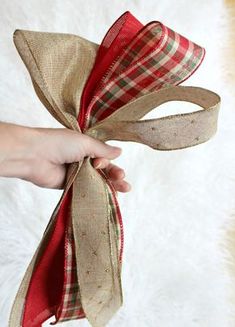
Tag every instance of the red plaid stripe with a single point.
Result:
(166, 58)
(156, 57)
(70, 307)
(137, 49)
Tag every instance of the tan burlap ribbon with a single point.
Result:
(71, 58)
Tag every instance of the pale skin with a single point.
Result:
(42, 155)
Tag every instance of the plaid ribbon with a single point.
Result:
(155, 58)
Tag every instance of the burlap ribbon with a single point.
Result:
(59, 65)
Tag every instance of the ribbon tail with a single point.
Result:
(40, 290)
(45, 271)
(96, 248)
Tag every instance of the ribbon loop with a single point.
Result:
(59, 72)
(166, 133)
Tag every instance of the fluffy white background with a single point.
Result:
(175, 263)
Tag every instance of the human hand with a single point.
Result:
(42, 155)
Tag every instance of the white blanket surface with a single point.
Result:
(175, 264)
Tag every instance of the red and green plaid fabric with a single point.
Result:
(155, 58)
(70, 306)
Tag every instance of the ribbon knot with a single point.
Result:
(103, 91)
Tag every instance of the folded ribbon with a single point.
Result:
(102, 91)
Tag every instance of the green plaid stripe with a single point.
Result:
(140, 46)
(169, 63)
(70, 307)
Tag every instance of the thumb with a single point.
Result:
(97, 149)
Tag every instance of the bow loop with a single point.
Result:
(59, 72)
(166, 133)
(155, 58)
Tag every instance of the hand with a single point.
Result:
(42, 155)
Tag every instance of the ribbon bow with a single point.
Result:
(102, 91)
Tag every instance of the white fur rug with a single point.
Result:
(175, 270)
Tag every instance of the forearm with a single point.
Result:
(14, 150)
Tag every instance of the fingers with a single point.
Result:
(95, 148)
(100, 163)
(115, 174)
(121, 186)
(101, 153)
